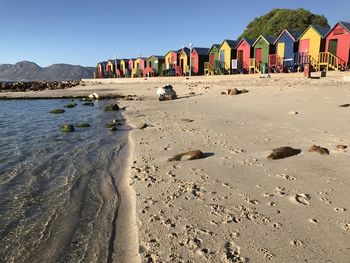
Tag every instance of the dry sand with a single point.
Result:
(235, 205)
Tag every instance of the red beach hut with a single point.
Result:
(245, 51)
(338, 46)
(199, 56)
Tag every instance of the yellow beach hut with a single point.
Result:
(184, 60)
(227, 53)
(124, 62)
(312, 42)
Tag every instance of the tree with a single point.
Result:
(274, 22)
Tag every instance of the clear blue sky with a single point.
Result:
(85, 32)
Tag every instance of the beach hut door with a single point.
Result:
(222, 58)
(304, 46)
(280, 49)
(332, 47)
(258, 54)
(211, 59)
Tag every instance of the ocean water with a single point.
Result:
(58, 191)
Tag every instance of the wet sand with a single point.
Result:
(235, 205)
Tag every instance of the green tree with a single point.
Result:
(274, 22)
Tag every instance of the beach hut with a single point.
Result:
(184, 60)
(171, 67)
(212, 67)
(199, 56)
(110, 68)
(124, 67)
(245, 52)
(311, 43)
(154, 66)
(227, 55)
(263, 47)
(139, 66)
(337, 52)
(286, 52)
(100, 69)
(131, 66)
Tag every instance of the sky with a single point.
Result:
(85, 32)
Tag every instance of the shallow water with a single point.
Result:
(58, 196)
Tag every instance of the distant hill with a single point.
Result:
(29, 71)
(274, 22)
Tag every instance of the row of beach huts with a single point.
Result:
(320, 48)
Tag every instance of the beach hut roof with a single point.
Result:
(346, 25)
(268, 39)
(217, 46)
(158, 57)
(321, 30)
(125, 59)
(231, 43)
(175, 51)
(248, 40)
(201, 50)
(294, 34)
(186, 50)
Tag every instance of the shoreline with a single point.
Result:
(127, 245)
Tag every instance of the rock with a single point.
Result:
(190, 155)
(283, 152)
(166, 93)
(70, 105)
(110, 125)
(223, 93)
(88, 104)
(113, 107)
(94, 96)
(319, 149)
(83, 125)
(187, 120)
(57, 111)
(293, 113)
(232, 92)
(344, 105)
(142, 126)
(341, 147)
(67, 128)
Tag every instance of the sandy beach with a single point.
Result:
(234, 205)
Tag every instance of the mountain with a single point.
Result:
(29, 71)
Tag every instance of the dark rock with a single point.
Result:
(190, 155)
(57, 111)
(283, 152)
(113, 107)
(319, 149)
(67, 128)
(142, 126)
(345, 105)
(83, 125)
(88, 104)
(70, 105)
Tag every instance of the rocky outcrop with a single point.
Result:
(22, 86)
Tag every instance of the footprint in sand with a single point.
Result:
(339, 209)
(346, 226)
(287, 177)
(301, 199)
(267, 254)
(233, 253)
(314, 220)
(297, 243)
